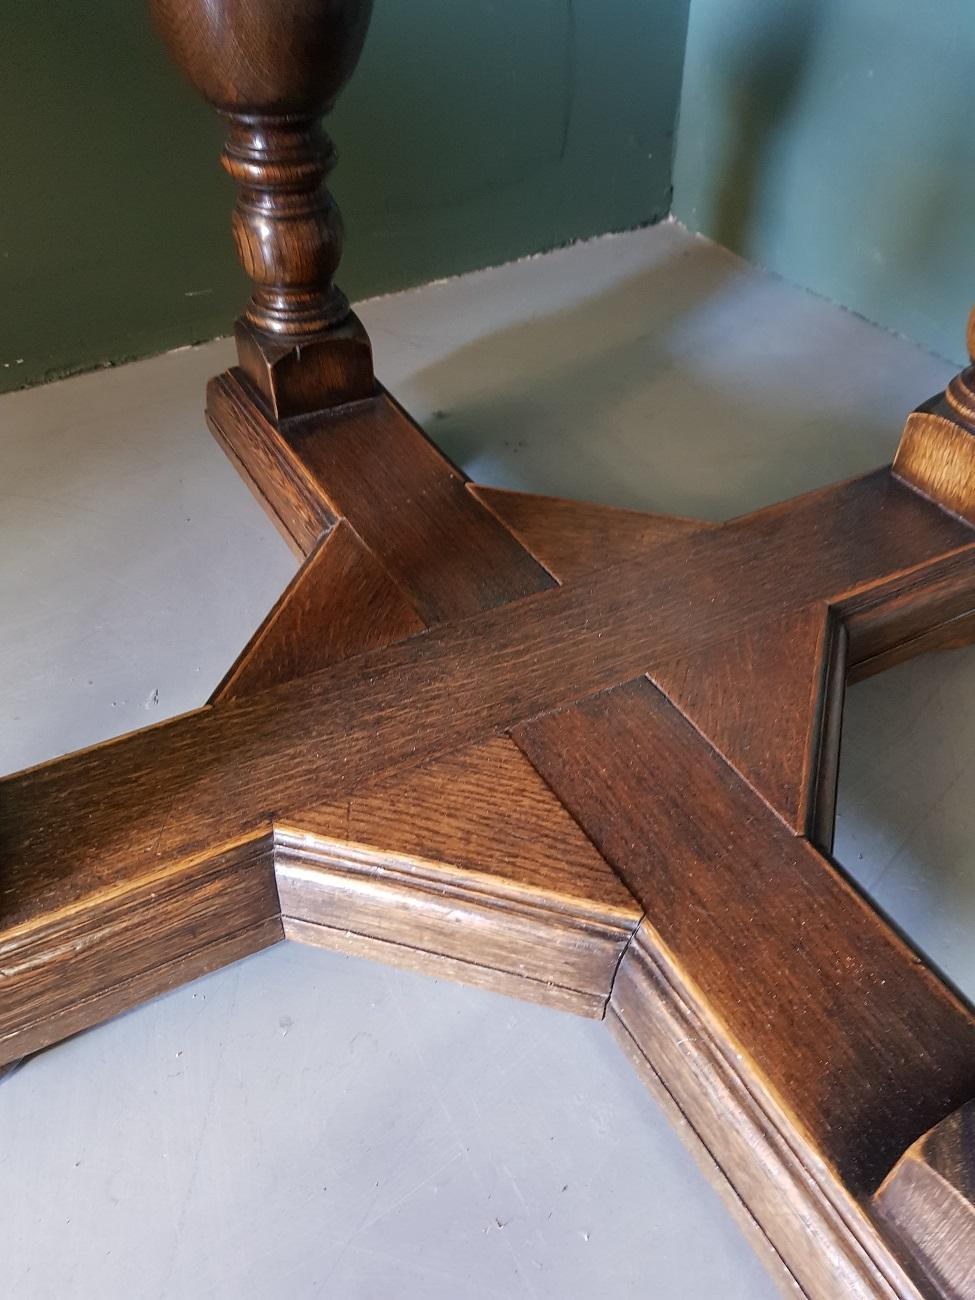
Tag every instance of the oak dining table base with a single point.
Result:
(580, 755)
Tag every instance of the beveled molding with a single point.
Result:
(78, 968)
(434, 918)
(599, 961)
(815, 1239)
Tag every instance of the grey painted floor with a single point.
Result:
(308, 1125)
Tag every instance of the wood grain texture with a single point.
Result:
(575, 538)
(815, 1233)
(693, 1132)
(69, 828)
(266, 463)
(468, 859)
(135, 820)
(417, 915)
(253, 56)
(351, 783)
(134, 941)
(444, 549)
(924, 608)
(769, 934)
(548, 917)
(294, 377)
(484, 810)
(929, 1198)
(341, 603)
(770, 701)
(272, 71)
(937, 456)
(371, 465)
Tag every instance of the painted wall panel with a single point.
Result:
(832, 141)
(471, 134)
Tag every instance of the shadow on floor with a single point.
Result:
(678, 389)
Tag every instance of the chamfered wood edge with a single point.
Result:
(84, 964)
(722, 692)
(540, 944)
(423, 961)
(819, 1234)
(936, 455)
(706, 1160)
(928, 1198)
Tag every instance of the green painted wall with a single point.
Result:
(472, 133)
(833, 141)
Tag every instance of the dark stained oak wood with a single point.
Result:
(272, 70)
(929, 1197)
(930, 607)
(458, 682)
(937, 447)
(815, 1239)
(445, 550)
(575, 538)
(453, 809)
(937, 455)
(340, 603)
(448, 553)
(803, 1021)
(267, 464)
(68, 828)
(359, 779)
(87, 963)
(770, 700)
(770, 935)
(168, 804)
(468, 861)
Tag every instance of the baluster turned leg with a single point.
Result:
(272, 70)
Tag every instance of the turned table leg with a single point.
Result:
(272, 71)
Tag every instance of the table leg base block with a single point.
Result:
(298, 377)
(937, 448)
